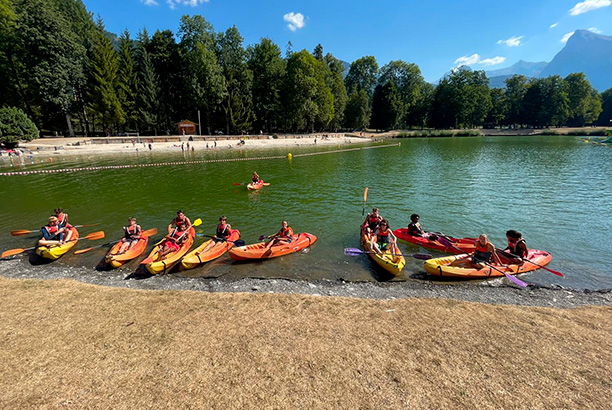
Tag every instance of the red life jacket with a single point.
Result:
(384, 233)
(222, 231)
(481, 248)
(52, 229)
(179, 222)
(63, 221)
(286, 233)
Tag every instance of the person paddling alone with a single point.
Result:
(180, 219)
(53, 234)
(131, 237)
(223, 231)
(282, 237)
(255, 179)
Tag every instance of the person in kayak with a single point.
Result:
(53, 234)
(384, 238)
(517, 247)
(131, 237)
(62, 218)
(255, 179)
(180, 219)
(415, 229)
(371, 222)
(482, 255)
(223, 231)
(282, 237)
(174, 240)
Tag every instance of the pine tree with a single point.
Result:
(148, 88)
(128, 80)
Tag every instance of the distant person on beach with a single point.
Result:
(180, 219)
(132, 235)
(150, 146)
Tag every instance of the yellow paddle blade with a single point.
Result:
(12, 252)
(80, 251)
(94, 236)
(149, 232)
(365, 195)
(197, 222)
(20, 232)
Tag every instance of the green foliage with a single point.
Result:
(605, 118)
(357, 115)
(334, 78)
(148, 87)
(409, 83)
(386, 107)
(362, 75)
(516, 88)
(546, 102)
(15, 126)
(584, 100)
(128, 80)
(499, 107)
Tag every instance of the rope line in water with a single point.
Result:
(205, 161)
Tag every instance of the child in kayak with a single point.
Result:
(62, 218)
(482, 255)
(282, 237)
(371, 222)
(180, 219)
(132, 235)
(255, 179)
(53, 234)
(384, 238)
(174, 240)
(223, 231)
(415, 229)
(517, 247)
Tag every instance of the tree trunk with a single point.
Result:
(69, 123)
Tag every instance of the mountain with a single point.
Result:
(585, 52)
(521, 67)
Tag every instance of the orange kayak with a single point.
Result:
(257, 250)
(254, 186)
(197, 257)
(156, 264)
(116, 260)
(465, 245)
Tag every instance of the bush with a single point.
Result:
(15, 126)
(467, 133)
(598, 133)
(578, 133)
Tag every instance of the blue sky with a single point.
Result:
(436, 34)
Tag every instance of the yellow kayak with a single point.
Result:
(157, 265)
(54, 252)
(386, 260)
(197, 257)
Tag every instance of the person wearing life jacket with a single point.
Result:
(482, 255)
(53, 234)
(223, 231)
(384, 238)
(62, 218)
(415, 229)
(255, 179)
(517, 247)
(283, 237)
(174, 240)
(178, 221)
(371, 222)
(131, 237)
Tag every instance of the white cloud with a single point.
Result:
(566, 37)
(295, 20)
(492, 61)
(150, 2)
(513, 41)
(595, 30)
(553, 25)
(192, 3)
(475, 59)
(588, 5)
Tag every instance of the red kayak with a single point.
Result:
(465, 245)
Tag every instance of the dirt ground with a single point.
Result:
(65, 344)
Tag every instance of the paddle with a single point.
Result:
(147, 233)
(365, 199)
(150, 258)
(238, 242)
(94, 236)
(511, 278)
(21, 232)
(356, 252)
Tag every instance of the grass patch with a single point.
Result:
(72, 344)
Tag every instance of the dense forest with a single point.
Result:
(69, 75)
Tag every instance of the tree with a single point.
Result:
(334, 78)
(128, 80)
(318, 52)
(362, 74)
(546, 102)
(516, 88)
(386, 107)
(584, 101)
(499, 107)
(357, 113)
(104, 100)
(268, 68)
(605, 117)
(408, 80)
(148, 87)
(15, 126)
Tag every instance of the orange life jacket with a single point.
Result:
(286, 233)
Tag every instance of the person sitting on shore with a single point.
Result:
(131, 237)
(223, 231)
(385, 240)
(283, 237)
(482, 255)
(180, 219)
(517, 247)
(371, 222)
(173, 241)
(255, 179)
(53, 234)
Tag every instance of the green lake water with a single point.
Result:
(556, 190)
